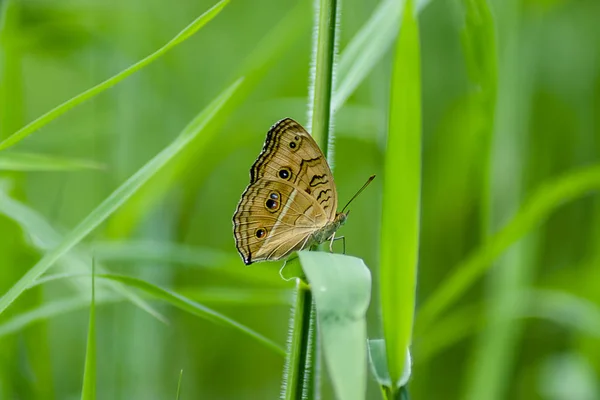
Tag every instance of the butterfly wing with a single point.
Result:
(291, 195)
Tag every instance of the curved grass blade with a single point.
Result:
(119, 196)
(101, 87)
(45, 237)
(192, 307)
(89, 374)
(341, 286)
(378, 362)
(13, 161)
(217, 261)
(544, 201)
(368, 47)
(228, 296)
(564, 309)
(401, 198)
(48, 311)
(254, 69)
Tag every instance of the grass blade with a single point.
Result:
(543, 202)
(89, 374)
(192, 307)
(401, 197)
(118, 197)
(101, 87)
(13, 161)
(177, 397)
(342, 292)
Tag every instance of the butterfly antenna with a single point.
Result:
(359, 191)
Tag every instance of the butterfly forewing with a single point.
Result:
(291, 195)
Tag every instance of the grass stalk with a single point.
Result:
(298, 352)
(303, 363)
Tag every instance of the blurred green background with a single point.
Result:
(529, 330)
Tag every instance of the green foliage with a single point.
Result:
(507, 300)
(117, 198)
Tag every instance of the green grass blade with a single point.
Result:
(13, 161)
(101, 87)
(192, 307)
(118, 197)
(341, 286)
(542, 203)
(89, 374)
(178, 396)
(401, 197)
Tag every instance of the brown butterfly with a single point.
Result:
(291, 201)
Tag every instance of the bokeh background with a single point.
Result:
(529, 330)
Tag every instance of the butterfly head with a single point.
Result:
(341, 217)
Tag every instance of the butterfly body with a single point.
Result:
(329, 230)
(291, 201)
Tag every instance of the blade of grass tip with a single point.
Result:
(51, 115)
(89, 375)
(13, 161)
(119, 196)
(192, 307)
(178, 396)
(546, 199)
(401, 197)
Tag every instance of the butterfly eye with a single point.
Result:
(260, 233)
(284, 173)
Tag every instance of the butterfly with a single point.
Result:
(291, 201)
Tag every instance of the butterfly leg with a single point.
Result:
(343, 239)
(333, 239)
(343, 243)
(331, 242)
